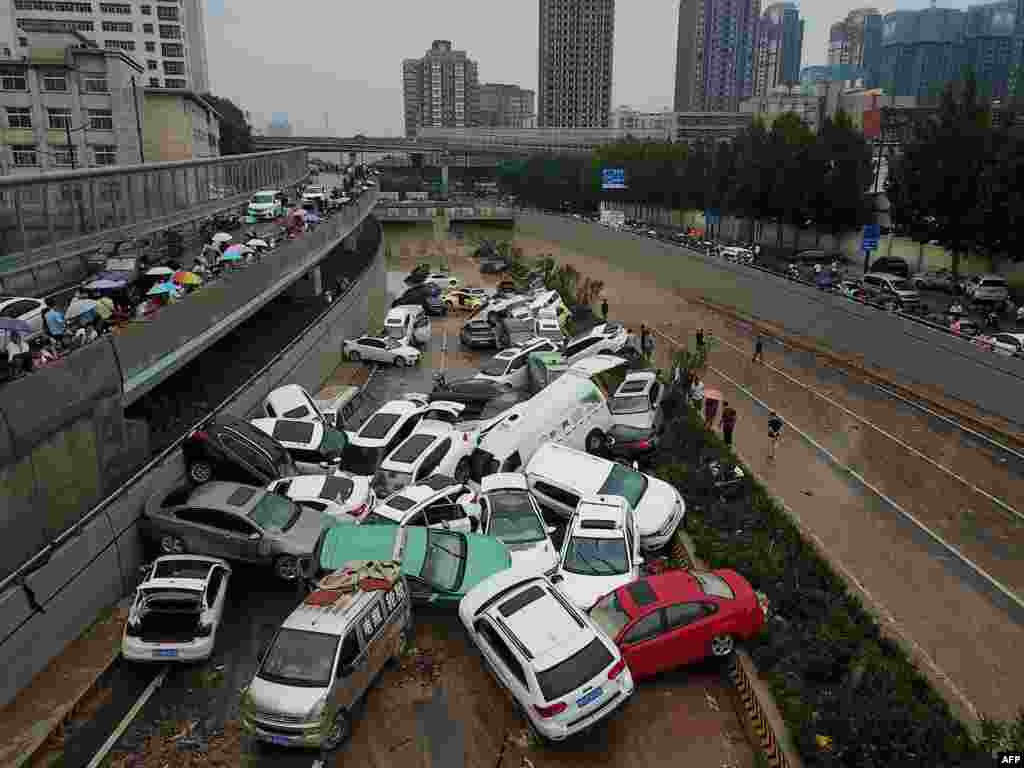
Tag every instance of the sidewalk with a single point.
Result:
(45, 705)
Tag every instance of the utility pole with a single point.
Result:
(71, 147)
(138, 120)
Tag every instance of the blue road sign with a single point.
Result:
(872, 232)
(613, 178)
(712, 216)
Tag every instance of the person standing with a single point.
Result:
(728, 422)
(645, 336)
(774, 434)
(700, 339)
(53, 319)
(18, 352)
(604, 309)
(759, 349)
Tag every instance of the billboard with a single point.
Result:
(613, 178)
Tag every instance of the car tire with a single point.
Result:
(722, 646)
(595, 442)
(287, 568)
(399, 362)
(354, 356)
(463, 470)
(339, 732)
(200, 472)
(171, 545)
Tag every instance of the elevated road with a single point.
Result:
(477, 146)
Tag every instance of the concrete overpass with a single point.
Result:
(455, 145)
(426, 211)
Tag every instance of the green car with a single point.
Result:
(440, 565)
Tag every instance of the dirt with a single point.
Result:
(179, 744)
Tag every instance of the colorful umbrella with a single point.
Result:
(231, 256)
(163, 289)
(257, 243)
(222, 237)
(160, 272)
(105, 308)
(312, 218)
(185, 277)
(81, 309)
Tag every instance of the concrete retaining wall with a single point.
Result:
(99, 565)
(910, 350)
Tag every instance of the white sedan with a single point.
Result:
(27, 310)
(177, 609)
(341, 495)
(381, 350)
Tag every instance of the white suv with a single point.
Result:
(508, 367)
(601, 551)
(602, 339)
(380, 434)
(561, 670)
(435, 447)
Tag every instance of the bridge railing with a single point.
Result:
(55, 216)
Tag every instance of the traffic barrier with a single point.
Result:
(741, 673)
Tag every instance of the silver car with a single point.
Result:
(236, 522)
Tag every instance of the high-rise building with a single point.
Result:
(715, 54)
(441, 89)
(989, 38)
(857, 42)
(506, 106)
(168, 38)
(922, 51)
(574, 63)
(780, 40)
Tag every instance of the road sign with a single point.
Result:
(613, 178)
(870, 239)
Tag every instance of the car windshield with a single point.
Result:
(275, 513)
(262, 199)
(609, 614)
(513, 520)
(387, 481)
(901, 285)
(360, 460)
(333, 443)
(375, 518)
(576, 671)
(495, 367)
(714, 585)
(301, 658)
(445, 561)
(629, 404)
(625, 482)
(588, 556)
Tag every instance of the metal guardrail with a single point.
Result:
(55, 216)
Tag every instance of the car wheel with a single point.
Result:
(200, 472)
(339, 731)
(172, 545)
(722, 645)
(399, 362)
(354, 356)
(463, 470)
(595, 442)
(287, 567)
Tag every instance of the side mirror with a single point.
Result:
(254, 537)
(344, 670)
(557, 578)
(550, 530)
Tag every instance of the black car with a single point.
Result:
(427, 295)
(891, 265)
(475, 394)
(494, 265)
(478, 334)
(231, 449)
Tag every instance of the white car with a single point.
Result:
(602, 339)
(1009, 344)
(313, 446)
(549, 328)
(27, 310)
(177, 610)
(637, 402)
(442, 280)
(344, 497)
(508, 367)
(564, 673)
(380, 434)
(601, 551)
(509, 513)
(381, 350)
(293, 402)
(315, 193)
(438, 501)
(435, 447)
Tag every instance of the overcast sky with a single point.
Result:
(318, 56)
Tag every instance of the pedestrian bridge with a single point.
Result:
(427, 211)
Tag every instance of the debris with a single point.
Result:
(712, 702)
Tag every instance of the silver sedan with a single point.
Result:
(381, 350)
(236, 522)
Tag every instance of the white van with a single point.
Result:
(573, 409)
(408, 323)
(550, 304)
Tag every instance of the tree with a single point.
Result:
(235, 131)
(839, 175)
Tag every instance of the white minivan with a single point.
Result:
(572, 409)
(408, 323)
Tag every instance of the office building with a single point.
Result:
(989, 38)
(857, 41)
(780, 101)
(922, 51)
(655, 126)
(715, 54)
(441, 89)
(179, 125)
(507, 106)
(780, 40)
(830, 73)
(574, 63)
(167, 38)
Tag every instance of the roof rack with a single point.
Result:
(338, 590)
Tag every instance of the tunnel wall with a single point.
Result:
(99, 564)
(910, 350)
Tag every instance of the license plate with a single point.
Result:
(281, 741)
(589, 698)
(165, 653)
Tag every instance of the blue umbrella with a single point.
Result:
(13, 324)
(312, 218)
(161, 289)
(83, 310)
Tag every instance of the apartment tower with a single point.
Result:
(574, 63)
(780, 39)
(440, 90)
(856, 41)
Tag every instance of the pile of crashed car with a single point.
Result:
(500, 493)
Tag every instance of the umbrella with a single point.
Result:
(81, 309)
(105, 285)
(14, 324)
(312, 218)
(160, 272)
(105, 307)
(184, 277)
(161, 289)
(222, 237)
(257, 243)
(231, 256)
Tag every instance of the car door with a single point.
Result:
(216, 592)
(501, 662)
(431, 464)
(204, 532)
(645, 645)
(351, 674)
(516, 375)
(691, 626)
(447, 513)
(421, 329)
(248, 463)
(376, 350)
(243, 539)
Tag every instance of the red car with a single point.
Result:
(679, 617)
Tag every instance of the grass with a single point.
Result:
(206, 678)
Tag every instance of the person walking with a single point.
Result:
(774, 434)
(759, 349)
(53, 319)
(604, 309)
(728, 422)
(645, 336)
(700, 339)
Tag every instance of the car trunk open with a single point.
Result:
(170, 617)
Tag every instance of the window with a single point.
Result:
(213, 586)
(648, 627)
(150, 46)
(170, 31)
(55, 82)
(146, 10)
(502, 651)
(59, 118)
(117, 26)
(13, 80)
(148, 29)
(52, 25)
(172, 50)
(681, 614)
(154, 82)
(150, 64)
(349, 652)
(167, 12)
(101, 120)
(63, 155)
(174, 67)
(24, 155)
(19, 117)
(122, 9)
(557, 494)
(105, 154)
(48, 5)
(95, 85)
(119, 45)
